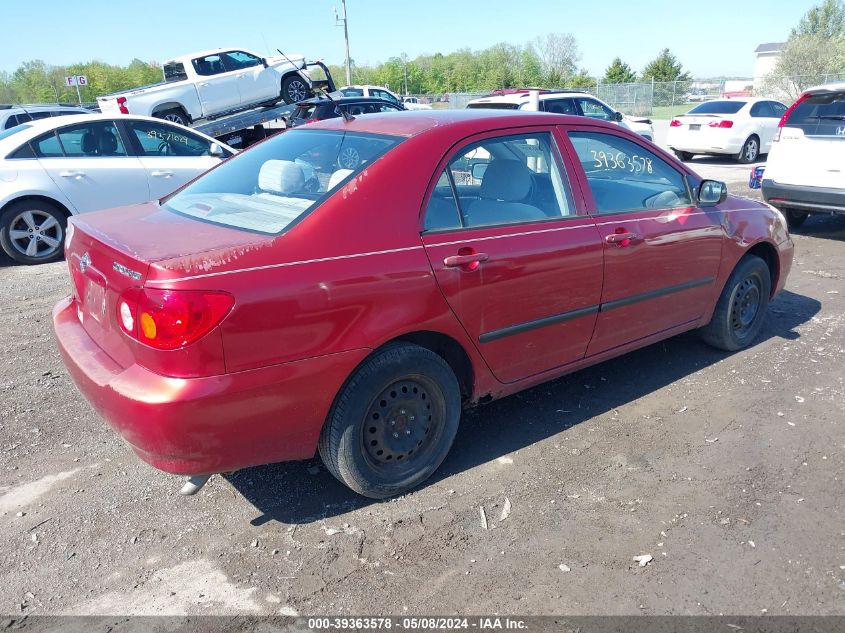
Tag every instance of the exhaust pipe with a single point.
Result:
(194, 484)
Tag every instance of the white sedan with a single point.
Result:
(743, 128)
(54, 168)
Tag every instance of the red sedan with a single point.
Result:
(348, 286)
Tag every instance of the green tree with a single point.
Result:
(665, 67)
(806, 61)
(619, 73)
(582, 81)
(825, 20)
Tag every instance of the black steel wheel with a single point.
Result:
(741, 307)
(393, 422)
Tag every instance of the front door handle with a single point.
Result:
(621, 239)
(161, 174)
(71, 174)
(470, 260)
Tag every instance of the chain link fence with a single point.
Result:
(664, 98)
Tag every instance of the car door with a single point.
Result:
(517, 261)
(218, 87)
(256, 83)
(765, 123)
(661, 252)
(89, 163)
(170, 155)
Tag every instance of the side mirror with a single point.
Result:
(617, 116)
(264, 62)
(216, 151)
(711, 193)
(478, 170)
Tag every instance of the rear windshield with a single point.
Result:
(304, 112)
(718, 107)
(352, 92)
(820, 115)
(174, 72)
(270, 187)
(494, 106)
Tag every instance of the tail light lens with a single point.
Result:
(788, 113)
(310, 121)
(171, 319)
(121, 104)
(721, 124)
(675, 123)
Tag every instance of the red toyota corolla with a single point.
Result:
(348, 286)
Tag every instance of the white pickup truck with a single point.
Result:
(212, 83)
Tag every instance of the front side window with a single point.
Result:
(625, 177)
(160, 139)
(237, 60)
(501, 180)
(383, 94)
(595, 110)
(98, 139)
(270, 187)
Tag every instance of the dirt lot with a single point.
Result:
(726, 469)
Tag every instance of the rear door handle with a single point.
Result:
(454, 261)
(161, 174)
(203, 83)
(621, 239)
(71, 174)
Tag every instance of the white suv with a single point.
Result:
(566, 102)
(805, 172)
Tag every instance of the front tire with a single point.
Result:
(393, 422)
(741, 308)
(33, 232)
(295, 89)
(795, 218)
(750, 151)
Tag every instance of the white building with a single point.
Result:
(767, 57)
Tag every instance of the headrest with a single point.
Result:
(505, 179)
(336, 177)
(108, 143)
(281, 176)
(89, 143)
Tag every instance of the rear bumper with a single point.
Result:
(824, 199)
(705, 142)
(194, 426)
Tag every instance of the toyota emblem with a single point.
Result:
(84, 263)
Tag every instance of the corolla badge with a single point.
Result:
(84, 263)
(123, 270)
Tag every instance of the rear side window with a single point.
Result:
(718, 107)
(174, 72)
(820, 115)
(352, 92)
(626, 177)
(11, 122)
(762, 109)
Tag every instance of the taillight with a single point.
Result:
(171, 319)
(311, 121)
(675, 123)
(785, 118)
(722, 124)
(121, 104)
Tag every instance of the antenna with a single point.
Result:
(346, 116)
(304, 64)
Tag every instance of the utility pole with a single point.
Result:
(343, 19)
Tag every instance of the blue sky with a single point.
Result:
(711, 37)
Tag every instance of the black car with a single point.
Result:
(320, 108)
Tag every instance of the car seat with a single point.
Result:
(283, 177)
(107, 144)
(506, 184)
(89, 145)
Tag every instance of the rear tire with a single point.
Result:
(741, 308)
(295, 89)
(683, 156)
(33, 232)
(393, 422)
(750, 151)
(174, 115)
(795, 218)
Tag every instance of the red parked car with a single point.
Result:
(347, 287)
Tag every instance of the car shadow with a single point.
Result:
(823, 225)
(725, 161)
(304, 492)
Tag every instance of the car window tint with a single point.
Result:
(25, 151)
(160, 139)
(441, 212)
(595, 110)
(624, 176)
(11, 122)
(509, 179)
(820, 115)
(97, 139)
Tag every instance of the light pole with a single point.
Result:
(343, 19)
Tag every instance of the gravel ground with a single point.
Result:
(725, 469)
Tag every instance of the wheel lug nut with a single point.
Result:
(411, 418)
(401, 411)
(395, 435)
(393, 423)
(407, 431)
